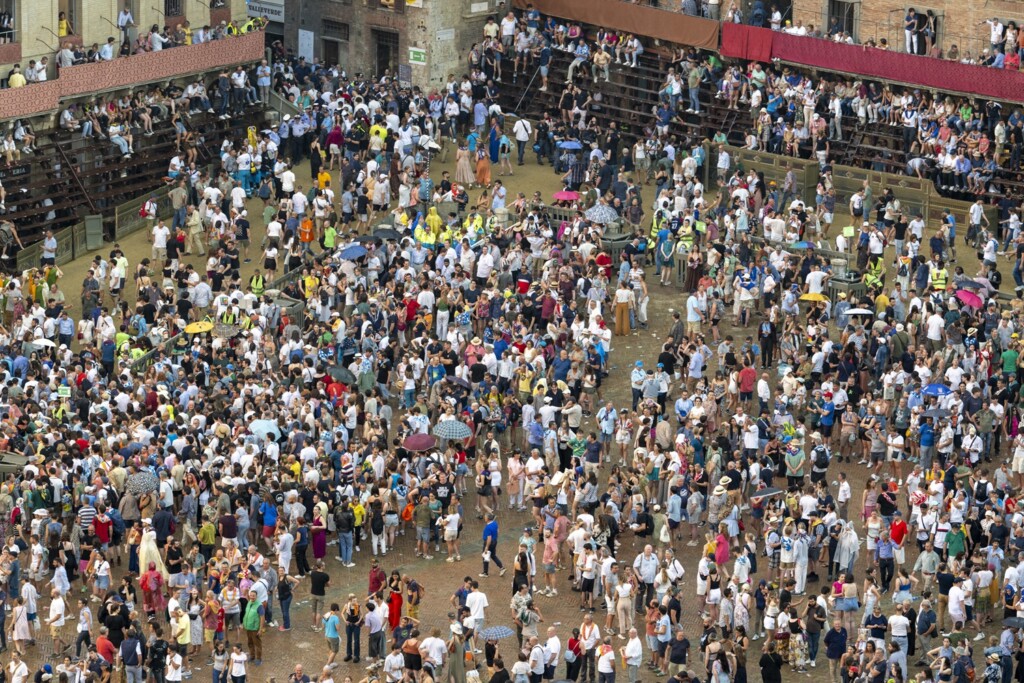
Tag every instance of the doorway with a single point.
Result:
(386, 52)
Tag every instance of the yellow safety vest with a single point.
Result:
(939, 278)
(228, 317)
(256, 284)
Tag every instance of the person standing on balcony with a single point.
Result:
(125, 21)
(239, 85)
(910, 31)
(64, 26)
(157, 41)
(263, 81)
(714, 10)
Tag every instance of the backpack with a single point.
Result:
(821, 457)
(963, 670)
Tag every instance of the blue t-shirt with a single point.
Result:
(269, 511)
(491, 532)
(331, 626)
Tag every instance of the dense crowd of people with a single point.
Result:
(196, 450)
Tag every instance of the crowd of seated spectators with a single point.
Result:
(156, 39)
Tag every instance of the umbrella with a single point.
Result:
(803, 244)
(452, 430)
(936, 390)
(260, 428)
(972, 284)
(569, 144)
(566, 196)
(969, 298)
(858, 311)
(43, 341)
(199, 327)
(1013, 622)
(368, 239)
(353, 252)
(601, 214)
(767, 493)
(936, 413)
(142, 482)
(813, 296)
(464, 383)
(496, 633)
(341, 374)
(387, 234)
(419, 442)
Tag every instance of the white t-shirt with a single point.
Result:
(477, 602)
(160, 235)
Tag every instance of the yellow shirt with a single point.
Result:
(16, 80)
(62, 28)
(881, 302)
(322, 179)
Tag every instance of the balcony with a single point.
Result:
(741, 41)
(127, 71)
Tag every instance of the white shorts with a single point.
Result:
(1018, 464)
(714, 596)
(900, 555)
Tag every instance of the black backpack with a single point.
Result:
(821, 457)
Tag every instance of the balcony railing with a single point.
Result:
(127, 71)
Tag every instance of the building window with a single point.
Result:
(842, 16)
(174, 8)
(389, 5)
(335, 30)
(8, 33)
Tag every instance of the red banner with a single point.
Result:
(746, 42)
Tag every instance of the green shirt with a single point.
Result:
(330, 236)
(251, 619)
(1010, 360)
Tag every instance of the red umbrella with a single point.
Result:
(420, 442)
(969, 298)
(566, 196)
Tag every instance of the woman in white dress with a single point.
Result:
(149, 553)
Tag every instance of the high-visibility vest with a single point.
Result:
(939, 278)
(256, 284)
(228, 317)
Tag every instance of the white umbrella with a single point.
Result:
(43, 341)
(857, 311)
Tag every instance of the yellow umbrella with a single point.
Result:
(199, 327)
(813, 296)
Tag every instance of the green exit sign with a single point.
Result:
(417, 56)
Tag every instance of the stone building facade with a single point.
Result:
(424, 40)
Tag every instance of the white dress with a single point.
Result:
(150, 553)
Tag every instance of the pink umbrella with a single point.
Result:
(969, 298)
(566, 196)
(420, 442)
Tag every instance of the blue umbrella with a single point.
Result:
(569, 144)
(803, 244)
(353, 252)
(969, 284)
(936, 390)
(260, 428)
(497, 633)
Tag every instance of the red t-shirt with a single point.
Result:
(103, 528)
(747, 378)
(898, 531)
(105, 649)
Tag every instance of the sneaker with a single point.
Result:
(980, 636)
(554, 592)
(450, 559)
(813, 664)
(501, 573)
(484, 575)
(340, 559)
(425, 557)
(352, 564)
(862, 462)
